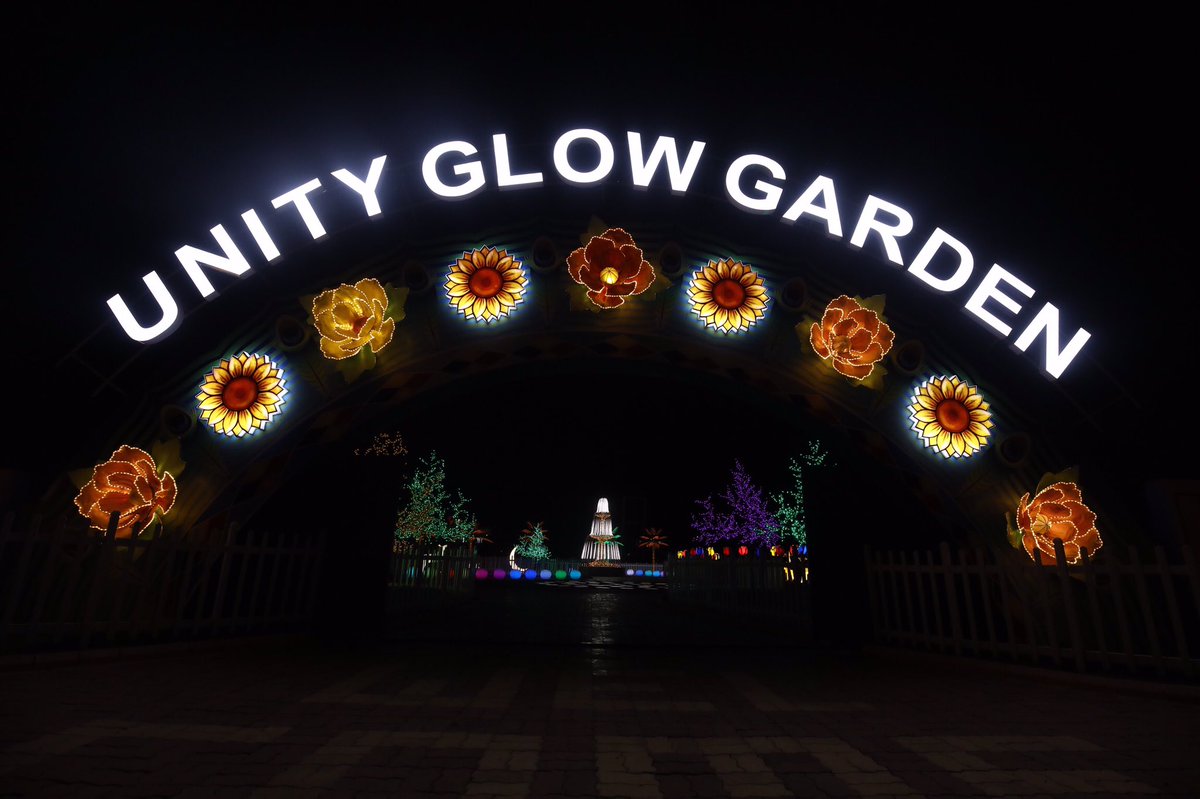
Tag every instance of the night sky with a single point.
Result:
(1043, 150)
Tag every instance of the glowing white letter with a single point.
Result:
(170, 311)
(988, 289)
(472, 169)
(643, 169)
(365, 188)
(771, 193)
(504, 175)
(1056, 360)
(572, 175)
(299, 197)
(920, 265)
(232, 261)
(261, 237)
(888, 233)
(822, 187)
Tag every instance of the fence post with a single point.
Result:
(1139, 576)
(1089, 576)
(1064, 579)
(1168, 584)
(979, 559)
(951, 595)
(872, 595)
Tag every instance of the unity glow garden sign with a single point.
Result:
(610, 273)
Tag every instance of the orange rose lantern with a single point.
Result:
(852, 337)
(129, 484)
(1057, 512)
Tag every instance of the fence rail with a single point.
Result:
(772, 587)
(62, 586)
(1118, 612)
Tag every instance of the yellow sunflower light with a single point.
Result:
(485, 284)
(950, 416)
(241, 394)
(727, 295)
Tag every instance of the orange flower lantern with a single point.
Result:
(852, 337)
(130, 484)
(1057, 512)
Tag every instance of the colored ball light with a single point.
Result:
(629, 572)
(698, 552)
(639, 573)
(499, 574)
(531, 574)
(515, 574)
(576, 574)
(560, 575)
(725, 551)
(481, 574)
(545, 574)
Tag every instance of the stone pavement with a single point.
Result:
(582, 715)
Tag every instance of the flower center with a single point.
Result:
(609, 275)
(239, 393)
(357, 326)
(485, 283)
(729, 293)
(840, 345)
(953, 416)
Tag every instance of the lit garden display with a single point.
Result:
(242, 394)
(486, 284)
(727, 295)
(950, 417)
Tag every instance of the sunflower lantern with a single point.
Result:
(727, 295)
(242, 394)
(950, 416)
(485, 284)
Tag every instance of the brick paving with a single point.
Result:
(578, 710)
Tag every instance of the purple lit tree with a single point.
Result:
(745, 518)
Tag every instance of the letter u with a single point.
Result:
(166, 303)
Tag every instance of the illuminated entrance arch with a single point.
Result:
(368, 330)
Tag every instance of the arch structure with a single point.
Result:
(346, 333)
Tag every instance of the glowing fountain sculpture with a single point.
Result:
(600, 549)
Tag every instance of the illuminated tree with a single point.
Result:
(653, 540)
(431, 513)
(745, 518)
(533, 542)
(789, 505)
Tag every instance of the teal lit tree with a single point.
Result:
(533, 542)
(431, 514)
(789, 504)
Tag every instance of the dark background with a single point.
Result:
(1055, 148)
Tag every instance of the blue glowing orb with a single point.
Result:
(531, 574)
(576, 574)
(545, 574)
(515, 574)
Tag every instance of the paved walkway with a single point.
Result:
(578, 715)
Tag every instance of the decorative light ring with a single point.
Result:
(950, 416)
(242, 394)
(727, 295)
(486, 284)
